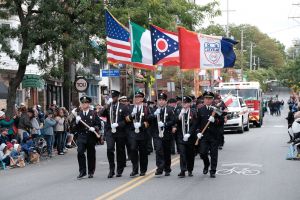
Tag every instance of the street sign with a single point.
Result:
(81, 84)
(110, 73)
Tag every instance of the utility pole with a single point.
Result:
(227, 23)
(242, 48)
(251, 49)
(258, 62)
(254, 63)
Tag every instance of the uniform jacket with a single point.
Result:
(192, 126)
(90, 119)
(122, 114)
(168, 123)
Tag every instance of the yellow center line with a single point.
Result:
(131, 184)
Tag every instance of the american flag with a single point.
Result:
(118, 41)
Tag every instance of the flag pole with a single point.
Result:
(180, 71)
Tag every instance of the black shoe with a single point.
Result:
(91, 176)
(81, 175)
(181, 174)
(205, 171)
(142, 174)
(191, 174)
(212, 175)
(167, 173)
(118, 175)
(133, 174)
(111, 174)
(157, 173)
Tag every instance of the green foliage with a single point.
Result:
(261, 75)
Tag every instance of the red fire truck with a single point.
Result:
(252, 95)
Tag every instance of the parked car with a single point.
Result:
(238, 116)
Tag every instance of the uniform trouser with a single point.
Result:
(174, 143)
(139, 155)
(187, 157)
(149, 144)
(120, 154)
(221, 136)
(127, 145)
(85, 146)
(163, 154)
(209, 145)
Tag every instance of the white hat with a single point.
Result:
(2, 113)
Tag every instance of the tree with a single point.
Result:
(32, 32)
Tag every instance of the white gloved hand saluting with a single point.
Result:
(92, 129)
(211, 119)
(157, 112)
(199, 135)
(186, 137)
(78, 118)
(160, 124)
(114, 125)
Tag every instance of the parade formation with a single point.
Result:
(196, 127)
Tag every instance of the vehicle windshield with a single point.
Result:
(247, 94)
(234, 104)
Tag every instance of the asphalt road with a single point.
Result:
(252, 166)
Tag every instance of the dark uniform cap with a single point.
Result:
(208, 94)
(85, 99)
(172, 100)
(187, 99)
(192, 97)
(178, 98)
(115, 93)
(162, 96)
(139, 94)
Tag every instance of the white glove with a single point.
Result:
(134, 111)
(110, 100)
(157, 112)
(114, 125)
(92, 129)
(160, 124)
(74, 111)
(199, 135)
(186, 137)
(211, 119)
(78, 118)
(181, 113)
(137, 125)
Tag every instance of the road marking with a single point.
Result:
(237, 169)
(132, 184)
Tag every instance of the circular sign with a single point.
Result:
(81, 84)
(162, 45)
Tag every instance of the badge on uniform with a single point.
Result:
(91, 117)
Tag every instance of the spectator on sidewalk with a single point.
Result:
(3, 135)
(6, 122)
(48, 131)
(35, 131)
(24, 124)
(4, 155)
(59, 130)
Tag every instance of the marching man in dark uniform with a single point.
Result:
(86, 137)
(186, 136)
(221, 121)
(163, 119)
(138, 136)
(115, 113)
(209, 140)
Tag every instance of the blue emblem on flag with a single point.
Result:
(212, 51)
(162, 45)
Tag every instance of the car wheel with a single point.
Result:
(241, 129)
(247, 126)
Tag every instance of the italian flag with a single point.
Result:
(141, 47)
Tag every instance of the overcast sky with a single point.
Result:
(270, 16)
